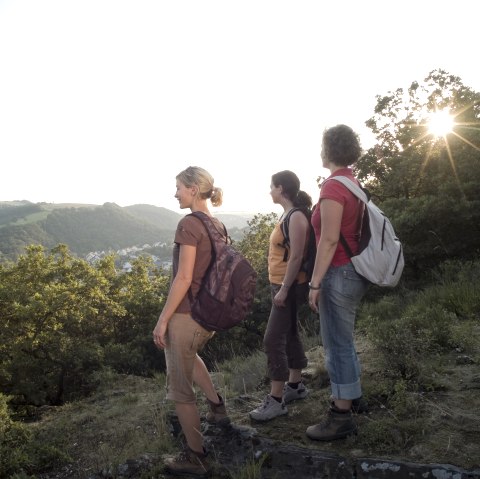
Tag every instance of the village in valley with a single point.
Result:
(160, 252)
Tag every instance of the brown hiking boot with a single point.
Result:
(336, 425)
(189, 462)
(359, 406)
(218, 412)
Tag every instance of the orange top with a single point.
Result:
(276, 266)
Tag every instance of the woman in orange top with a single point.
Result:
(289, 289)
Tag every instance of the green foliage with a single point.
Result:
(428, 186)
(13, 440)
(104, 227)
(15, 239)
(142, 293)
(434, 228)
(440, 318)
(83, 229)
(70, 319)
(158, 216)
(14, 213)
(20, 452)
(254, 246)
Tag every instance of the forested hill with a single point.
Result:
(85, 228)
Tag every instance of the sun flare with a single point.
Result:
(440, 123)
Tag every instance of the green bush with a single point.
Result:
(21, 453)
(408, 329)
(14, 438)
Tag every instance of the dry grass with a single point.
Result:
(126, 418)
(437, 426)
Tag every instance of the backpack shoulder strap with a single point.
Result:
(212, 230)
(285, 226)
(360, 194)
(353, 187)
(213, 234)
(285, 229)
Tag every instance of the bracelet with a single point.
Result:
(316, 288)
(285, 286)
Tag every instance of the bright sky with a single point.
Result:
(108, 100)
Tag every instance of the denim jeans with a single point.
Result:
(342, 290)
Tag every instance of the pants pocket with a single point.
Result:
(199, 340)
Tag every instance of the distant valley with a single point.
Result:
(92, 228)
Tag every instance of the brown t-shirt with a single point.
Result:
(190, 231)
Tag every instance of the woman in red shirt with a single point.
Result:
(336, 289)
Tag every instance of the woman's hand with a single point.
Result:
(280, 298)
(313, 297)
(160, 333)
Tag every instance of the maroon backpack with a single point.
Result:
(228, 287)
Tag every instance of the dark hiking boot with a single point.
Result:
(359, 406)
(336, 425)
(188, 463)
(218, 413)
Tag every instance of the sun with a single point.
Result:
(440, 123)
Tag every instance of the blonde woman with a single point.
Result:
(178, 334)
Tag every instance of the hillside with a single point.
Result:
(127, 421)
(162, 217)
(83, 228)
(86, 228)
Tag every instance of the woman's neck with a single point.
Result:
(200, 205)
(333, 168)
(287, 206)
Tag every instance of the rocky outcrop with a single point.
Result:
(237, 447)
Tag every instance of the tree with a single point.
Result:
(427, 184)
(63, 319)
(142, 293)
(54, 324)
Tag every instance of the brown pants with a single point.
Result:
(282, 342)
(185, 337)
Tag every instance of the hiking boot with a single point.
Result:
(218, 413)
(336, 425)
(189, 462)
(269, 409)
(359, 406)
(290, 394)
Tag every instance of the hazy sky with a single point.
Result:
(107, 100)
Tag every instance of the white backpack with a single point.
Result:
(380, 259)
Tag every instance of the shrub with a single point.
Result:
(13, 438)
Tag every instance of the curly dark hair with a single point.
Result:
(341, 145)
